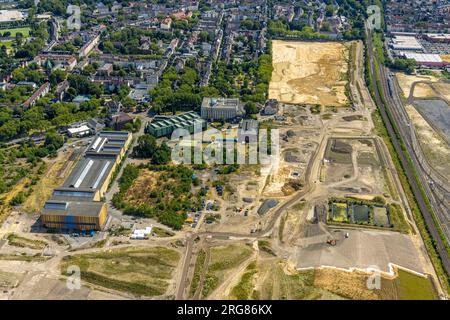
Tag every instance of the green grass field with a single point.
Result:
(340, 212)
(25, 31)
(16, 241)
(222, 260)
(244, 289)
(412, 287)
(7, 43)
(199, 263)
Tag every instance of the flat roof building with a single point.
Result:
(163, 126)
(83, 216)
(77, 204)
(248, 131)
(430, 60)
(438, 37)
(410, 43)
(80, 131)
(221, 108)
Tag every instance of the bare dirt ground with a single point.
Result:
(445, 57)
(42, 279)
(357, 172)
(435, 148)
(309, 73)
(443, 88)
(421, 91)
(296, 242)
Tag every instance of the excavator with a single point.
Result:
(331, 240)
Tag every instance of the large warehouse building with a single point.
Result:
(405, 43)
(424, 59)
(77, 205)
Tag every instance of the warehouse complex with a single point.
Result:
(163, 126)
(427, 49)
(405, 43)
(77, 204)
(424, 59)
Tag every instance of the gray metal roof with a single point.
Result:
(72, 208)
(108, 142)
(89, 173)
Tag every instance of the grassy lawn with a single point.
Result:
(9, 280)
(222, 260)
(54, 176)
(162, 233)
(17, 241)
(7, 43)
(340, 212)
(362, 213)
(244, 289)
(398, 218)
(412, 287)
(279, 285)
(25, 31)
(23, 257)
(139, 271)
(197, 272)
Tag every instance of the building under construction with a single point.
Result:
(77, 205)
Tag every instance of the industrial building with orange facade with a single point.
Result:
(77, 205)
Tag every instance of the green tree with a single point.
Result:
(251, 108)
(162, 155)
(146, 146)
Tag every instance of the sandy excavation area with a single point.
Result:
(421, 90)
(309, 73)
(445, 57)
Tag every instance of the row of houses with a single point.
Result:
(38, 94)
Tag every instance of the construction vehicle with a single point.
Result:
(331, 240)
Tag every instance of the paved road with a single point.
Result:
(409, 171)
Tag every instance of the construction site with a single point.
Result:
(316, 221)
(339, 209)
(309, 73)
(428, 109)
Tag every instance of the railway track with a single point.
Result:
(409, 171)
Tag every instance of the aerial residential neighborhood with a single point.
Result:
(224, 150)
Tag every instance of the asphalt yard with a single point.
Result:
(362, 249)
